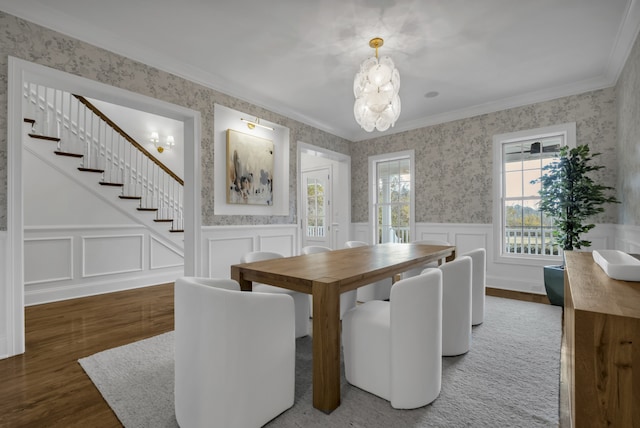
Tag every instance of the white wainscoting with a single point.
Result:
(4, 305)
(521, 275)
(627, 239)
(65, 262)
(223, 246)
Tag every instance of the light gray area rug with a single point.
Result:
(509, 378)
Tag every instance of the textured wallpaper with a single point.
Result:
(31, 42)
(454, 160)
(628, 98)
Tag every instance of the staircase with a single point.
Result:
(103, 153)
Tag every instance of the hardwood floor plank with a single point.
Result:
(46, 386)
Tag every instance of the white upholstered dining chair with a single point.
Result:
(418, 270)
(348, 299)
(478, 283)
(301, 300)
(379, 290)
(394, 349)
(456, 306)
(234, 354)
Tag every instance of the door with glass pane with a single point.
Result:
(393, 200)
(316, 219)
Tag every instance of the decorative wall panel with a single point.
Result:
(106, 255)
(48, 259)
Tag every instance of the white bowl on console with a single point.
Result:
(618, 265)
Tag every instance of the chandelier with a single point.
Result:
(376, 88)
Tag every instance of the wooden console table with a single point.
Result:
(602, 339)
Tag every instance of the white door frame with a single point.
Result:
(19, 71)
(330, 154)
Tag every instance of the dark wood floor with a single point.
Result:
(45, 386)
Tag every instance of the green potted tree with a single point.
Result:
(569, 196)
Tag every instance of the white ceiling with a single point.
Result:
(298, 58)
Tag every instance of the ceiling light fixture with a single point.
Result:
(376, 87)
(251, 124)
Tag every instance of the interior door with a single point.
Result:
(316, 216)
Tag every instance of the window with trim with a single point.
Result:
(316, 208)
(522, 230)
(392, 197)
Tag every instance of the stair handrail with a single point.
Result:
(127, 137)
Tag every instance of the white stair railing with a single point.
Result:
(82, 129)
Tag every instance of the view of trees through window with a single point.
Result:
(393, 204)
(526, 229)
(315, 208)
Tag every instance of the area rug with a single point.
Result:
(509, 378)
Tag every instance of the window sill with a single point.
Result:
(525, 260)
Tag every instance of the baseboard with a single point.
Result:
(86, 289)
(517, 295)
(4, 321)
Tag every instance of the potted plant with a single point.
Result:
(570, 196)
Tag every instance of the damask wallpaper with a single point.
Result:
(628, 149)
(454, 160)
(31, 42)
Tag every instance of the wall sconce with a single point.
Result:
(251, 124)
(170, 142)
(155, 139)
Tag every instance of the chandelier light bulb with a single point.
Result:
(375, 87)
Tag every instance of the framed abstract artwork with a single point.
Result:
(249, 169)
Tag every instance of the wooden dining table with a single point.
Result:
(325, 276)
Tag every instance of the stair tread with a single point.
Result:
(106, 183)
(147, 209)
(73, 155)
(163, 220)
(44, 137)
(176, 230)
(90, 170)
(29, 120)
(130, 197)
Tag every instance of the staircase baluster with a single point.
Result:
(112, 164)
(80, 145)
(50, 113)
(55, 131)
(145, 179)
(42, 118)
(122, 164)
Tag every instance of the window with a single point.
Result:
(316, 207)
(521, 230)
(392, 197)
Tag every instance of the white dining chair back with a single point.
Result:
(478, 284)
(418, 270)
(314, 249)
(379, 290)
(354, 244)
(301, 300)
(456, 306)
(394, 349)
(234, 354)
(348, 299)
(258, 256)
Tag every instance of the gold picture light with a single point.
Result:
(251, 124)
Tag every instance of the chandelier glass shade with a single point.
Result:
(376, 87)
